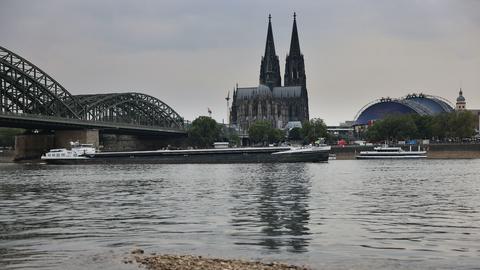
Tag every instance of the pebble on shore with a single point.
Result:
(189, 262)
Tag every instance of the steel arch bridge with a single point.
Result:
(25, 89)
(133, 108)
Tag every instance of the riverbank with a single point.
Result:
(188, 262)
(434, 151)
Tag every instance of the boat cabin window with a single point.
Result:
(389, 150)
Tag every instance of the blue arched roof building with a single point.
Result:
(415, 103)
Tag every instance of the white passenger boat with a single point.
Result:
(77, 152)
(387, 152)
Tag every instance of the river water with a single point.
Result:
(337, 215)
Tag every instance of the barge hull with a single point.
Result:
(207, 157)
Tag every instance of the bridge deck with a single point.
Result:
(30, 121)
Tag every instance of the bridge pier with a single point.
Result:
(32, 146)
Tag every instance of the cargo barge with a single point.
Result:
(87, 154)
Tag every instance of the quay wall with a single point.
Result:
(435, 151)
(454, 151)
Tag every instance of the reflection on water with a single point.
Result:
(342, 214)
(272, 210)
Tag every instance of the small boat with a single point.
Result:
(387, 152)
(84, 154)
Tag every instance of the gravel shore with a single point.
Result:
(190, 262)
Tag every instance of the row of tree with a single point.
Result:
(311, 131)
(454, 125)
(204, 131)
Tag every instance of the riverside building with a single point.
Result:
(461, 105)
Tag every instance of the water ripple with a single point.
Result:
(379, 214)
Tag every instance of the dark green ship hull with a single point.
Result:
(212, 156)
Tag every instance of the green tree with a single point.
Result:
(295, 134)
(454, 125)
(374, 133)
(462, 124)
(440, 126)
(262, 131)
(277, 135)
(424, 124)
(204, 131)
(393, 127)
(234, 139)
(405, 128)
(314, 129)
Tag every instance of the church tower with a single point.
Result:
(295, 67)
(270, 67)
(295, 71)
(461, 103)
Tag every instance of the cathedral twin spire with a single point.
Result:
(294, 68)
(294, 43)
(270, 67)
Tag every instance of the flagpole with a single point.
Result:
(228, 108)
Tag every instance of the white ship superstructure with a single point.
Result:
(387, 152)
(78, 151)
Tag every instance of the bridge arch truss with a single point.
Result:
(26, 89)
(133, 108)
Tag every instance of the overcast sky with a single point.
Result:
(190, 53)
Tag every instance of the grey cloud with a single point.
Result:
(190, 53)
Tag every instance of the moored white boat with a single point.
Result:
(387, 152)
(77, 152)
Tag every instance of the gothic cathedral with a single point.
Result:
(270, 101)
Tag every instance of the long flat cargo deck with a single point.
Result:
(227, 155)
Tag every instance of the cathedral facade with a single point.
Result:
(270, 100)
